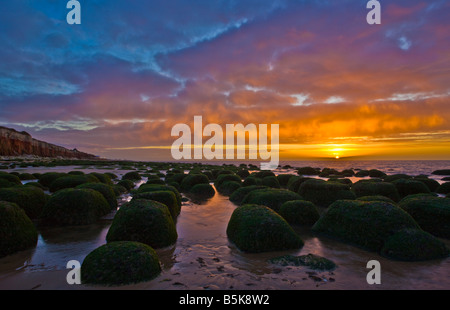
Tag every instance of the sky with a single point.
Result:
(116, 84)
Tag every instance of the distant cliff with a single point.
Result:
(14, 143)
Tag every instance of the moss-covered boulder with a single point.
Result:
(365, 224)
(375, 173)
(376, 198)
(26, 177)
(36, 184)
(271, 181)
(255, 229)
(299, 212)
(239, 194)
(295, 182)
(5, 183)
(263, 173)
(340, 180)
(47, 178)
(191, 180)
(444, 188)
(311, 261)
(155, 181)
(283, 179)
(127, 184)
(308, 171)
(119, 189)
(132, 176)
(441, 172)
(414, 245)
(362, 173)
(102, 177)
(166, 197)
(74, 207)
(11, 178)
(323, 193)
(17, 232)
(144, 221)
(430, 183)
(202, 191)
(106, 190)
(222, 178)
(347, 173)
(243, 173)
(272, 198)
(31, 199)
(395, 177)
(155, 187)
(431, 213)
(111, 175)
(229, 187)
(177, 178)
(406, 187)
(251, 181)
(375, 188)
(120, 263)
(71, 181)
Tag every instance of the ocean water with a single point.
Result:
(411, 167)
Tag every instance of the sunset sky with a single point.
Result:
(116, 84)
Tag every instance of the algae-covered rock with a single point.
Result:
(127, 184)
(144, 221)
(74, 207)
(375, 173)
(272, 198)
(202, 191)
(255, 229)
(106, 190)
(239, 194)
(431, 213)
(299, 212)
(376, 188)
(251, 181)
(323, 193)
(120, 263)
(155, 187)
(444, 188)
(132, 176)
(407, 187)
(441, 172)
(10, 178)
(308, 171)
(193, 179)
(223, 178)
(31, 199)
(102, 177)
(229, 187)
(365, 224)
(271, 181)
(362, 173)
(414, 245)
(166, 197)
(283, 179)
(376, 198)
(47, 178)
(17, 232)
(430, 183)
(71, 181)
